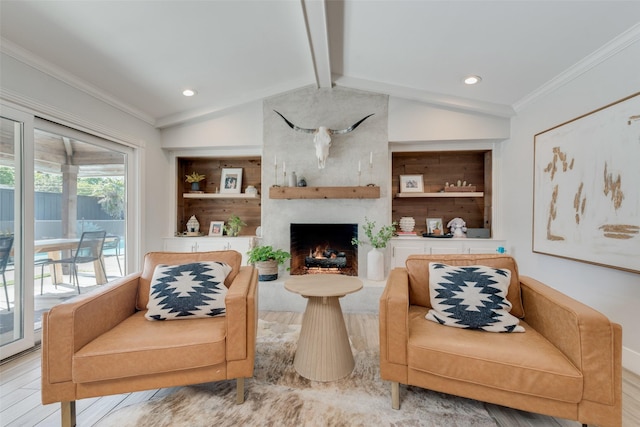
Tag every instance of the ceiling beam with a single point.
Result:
(315, 16)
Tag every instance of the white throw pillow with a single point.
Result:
(471, 297)
(188, 291)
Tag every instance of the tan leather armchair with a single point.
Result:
(567, 364)
(101, 343)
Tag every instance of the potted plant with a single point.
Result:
(266, 260)
(194, 179)
(379, 240)
(234, 225)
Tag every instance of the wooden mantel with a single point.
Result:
(324, 192)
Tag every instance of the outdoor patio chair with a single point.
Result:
(89, 250)
(6, 242)
(112, 242)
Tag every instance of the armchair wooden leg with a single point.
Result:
(239, 391)
(68, 410)
(395, 395)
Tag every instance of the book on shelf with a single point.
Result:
(406, 233)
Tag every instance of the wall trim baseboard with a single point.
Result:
(631, 360)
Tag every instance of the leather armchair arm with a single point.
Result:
(394, 318)
(583, 334)
(241, 303)
(68, 326)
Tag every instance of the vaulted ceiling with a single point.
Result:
(140, 55)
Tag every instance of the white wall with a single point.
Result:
(615, 293)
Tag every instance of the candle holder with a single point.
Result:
(371, 184)
(284, 178)
(359, 173)
(276, 175)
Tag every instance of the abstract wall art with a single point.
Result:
(587, 187)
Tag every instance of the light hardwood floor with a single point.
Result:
(20, 388)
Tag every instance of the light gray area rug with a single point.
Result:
(278, 396)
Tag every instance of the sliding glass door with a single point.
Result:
(16, 297)
(80, 186)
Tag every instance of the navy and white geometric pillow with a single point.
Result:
(188, 291)
(471, 297)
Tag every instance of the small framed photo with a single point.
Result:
(411, 184)
(434, 226)
(216, 228)
(231, 180)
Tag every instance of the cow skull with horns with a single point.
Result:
(322, 138)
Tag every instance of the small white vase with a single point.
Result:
(375, 264)
(407, 223)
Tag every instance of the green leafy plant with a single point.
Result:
(377, 239)
(234, 225)
(266, 253)
(194, 177)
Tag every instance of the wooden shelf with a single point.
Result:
(444, 194)
(219, 196)
(324, 192)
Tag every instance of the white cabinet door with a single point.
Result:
(180, 244)
(483, 246)
(400, 251)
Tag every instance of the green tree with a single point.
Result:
(7, 176)
(111, 196)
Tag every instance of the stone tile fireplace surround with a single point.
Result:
(337, 108)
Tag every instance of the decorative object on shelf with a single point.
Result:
(458, 227)
(267, 260)
(293, 181)
(193, 226)
(411, 184)
(251, 190)
(459, 188)
(194, 179)
(231, 180)
(407, 224)
(234, 226)
(216, 228)
(434, 226)
(322, 138)
(379, 240)
(302, 182)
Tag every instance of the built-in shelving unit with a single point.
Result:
(324, 192)
(211, 204)
(442, 194)
(468, 168)
(219, 196)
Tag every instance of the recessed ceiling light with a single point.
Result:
(188, 92)
(472, 80)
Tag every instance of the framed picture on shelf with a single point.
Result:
(231, 180)
(216, 228)
(434, 226)
(411, 184)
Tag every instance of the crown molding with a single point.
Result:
(618, 44)
(447, 101)
(26, 57)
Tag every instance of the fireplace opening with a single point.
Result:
(324, 249)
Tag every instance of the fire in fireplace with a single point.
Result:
(324, 248)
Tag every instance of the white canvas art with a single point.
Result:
(587, 187)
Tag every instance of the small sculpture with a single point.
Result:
(458, 227)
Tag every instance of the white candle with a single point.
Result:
(370, 158)
(275, 160)
(284, 167)
(359, 166)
